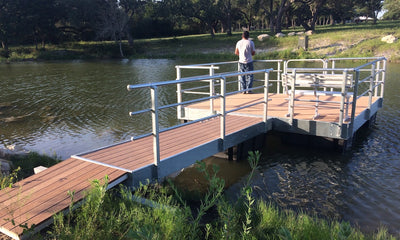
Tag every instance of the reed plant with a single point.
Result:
(7, 180)
(27, 162)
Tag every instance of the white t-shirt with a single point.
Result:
(245, 47)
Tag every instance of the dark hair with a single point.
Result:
(246, 34)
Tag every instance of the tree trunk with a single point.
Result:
(120, 48)
(130, 38)
(278, 25)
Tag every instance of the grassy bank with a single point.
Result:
(356, 40)
(158, 211)
(166, 215)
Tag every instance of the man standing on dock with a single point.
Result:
(245, 49)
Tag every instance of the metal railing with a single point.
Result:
(368, 79)
(223, 93)
(209, 85)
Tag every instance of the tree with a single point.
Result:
(249, 9)
(392, 8)
(307, 12)
(39, 18)
(208, 12)
(79, 17)
(113, 22)
(275, 10)
(8, 22)
(369, 8)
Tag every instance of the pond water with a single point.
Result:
(65, 108)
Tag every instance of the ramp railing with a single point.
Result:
(210, 86)
(222, 78)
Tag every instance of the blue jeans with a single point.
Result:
(246, 81)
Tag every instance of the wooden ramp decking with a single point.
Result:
(34, 200)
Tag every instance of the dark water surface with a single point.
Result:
(65, 108)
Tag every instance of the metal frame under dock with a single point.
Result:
(212, 115)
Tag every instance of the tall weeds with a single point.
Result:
(153, 211)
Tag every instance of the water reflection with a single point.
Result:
(70, 107)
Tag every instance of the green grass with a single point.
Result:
(328, 41)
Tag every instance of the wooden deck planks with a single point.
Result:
(35, 199)
(61, 200)
(278, 106)
(188, 137)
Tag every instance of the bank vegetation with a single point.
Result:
(350, 40)
(160, 211)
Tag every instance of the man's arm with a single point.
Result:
(237, 51)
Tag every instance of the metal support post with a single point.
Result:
(354, 105)
(371, 87)
(155, 126)
(179, 93)
(377, 74)
(383, 78)
(343, 99)
(212, 90)
(223, 108)
(279, 81)
(266, 85)
(292, 96)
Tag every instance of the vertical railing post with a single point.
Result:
(155, 125)
(333, 66)
(383, 77)
(292, 96)
(354, 105)
(266, 85)
(371, 86)
(343, 98)
(239, 85)
(179, 92)
(223, 108)
(212, 90)
(377, 74)
(278, 78)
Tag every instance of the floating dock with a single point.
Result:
(327, 101)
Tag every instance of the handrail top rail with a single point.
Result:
(212, 65)
(320, 69)
(194, 79)
(357, 58)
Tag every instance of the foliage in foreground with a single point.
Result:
(23, 167)
(159, 212)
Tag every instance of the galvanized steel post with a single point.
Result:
(343, 97)
(354, 104)
(371, 86)
(179, 92)
(223, 108)
(383, 77)
(266, 85)
(155, 126)
(212, 90)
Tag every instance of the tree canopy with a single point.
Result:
(51, 21)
